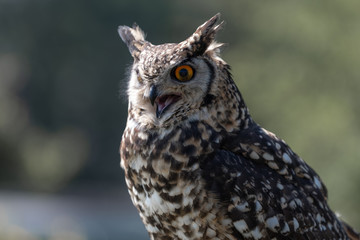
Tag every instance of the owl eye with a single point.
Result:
(184, 73)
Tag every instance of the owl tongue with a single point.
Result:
(164, 101)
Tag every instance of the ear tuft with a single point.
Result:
(134, 38)
(208, 29)
(204, 36)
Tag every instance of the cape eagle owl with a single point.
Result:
(197, 165)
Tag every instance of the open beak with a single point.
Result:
(162, 102)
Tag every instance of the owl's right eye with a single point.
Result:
(183, 73)
(139, 79)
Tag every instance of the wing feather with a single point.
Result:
(264, 205)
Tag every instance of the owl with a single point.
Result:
(197, 166)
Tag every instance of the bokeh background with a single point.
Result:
(62, 69)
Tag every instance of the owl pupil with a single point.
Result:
(183, 72)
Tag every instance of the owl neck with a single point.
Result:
(225, 107)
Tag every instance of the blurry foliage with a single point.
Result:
(61, 117)
(63, 228)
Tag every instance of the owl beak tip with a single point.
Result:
(153, 94)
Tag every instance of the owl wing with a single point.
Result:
(263, 147)
(264, 203)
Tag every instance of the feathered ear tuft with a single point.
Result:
(134, 38)
(204, 36)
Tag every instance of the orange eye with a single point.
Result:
(184, 73)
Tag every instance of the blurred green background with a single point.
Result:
(62, 69)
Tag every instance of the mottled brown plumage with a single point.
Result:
(197, 166)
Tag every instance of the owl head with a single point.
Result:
(176, 81)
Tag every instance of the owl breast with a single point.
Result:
(166, 185)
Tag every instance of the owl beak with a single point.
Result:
(163, 101)
(153, 94)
